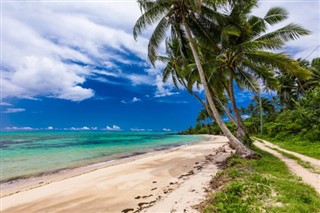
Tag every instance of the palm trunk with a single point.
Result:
(241, 130)
(205, 105)
(212, 91)
(233, 141)
(227, 112)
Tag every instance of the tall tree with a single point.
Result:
(179, 15)
(183, 71)
(246, 47)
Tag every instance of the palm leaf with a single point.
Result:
(275, 15)
(286, 33)
(156, 38)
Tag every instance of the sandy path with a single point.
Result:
(131, 185)
(314, 162)
(307, 176)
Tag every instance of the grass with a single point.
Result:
(302, 163)
(260, 185)
(311, 149)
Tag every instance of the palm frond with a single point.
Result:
(286, 33)
(150, 16)
(270, 44)
(157, 37)
(275, 15)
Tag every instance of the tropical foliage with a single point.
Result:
(218, 44)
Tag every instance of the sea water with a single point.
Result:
(26, 154)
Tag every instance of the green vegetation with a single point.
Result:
(311, 149)
(220, 45)
(260, 185)
(296, 129)
(302, 163)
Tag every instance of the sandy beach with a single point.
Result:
(128, 185)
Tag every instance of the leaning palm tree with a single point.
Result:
(183, 72)
(179, 15)
(246, 47)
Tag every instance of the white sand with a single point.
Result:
(128, 185)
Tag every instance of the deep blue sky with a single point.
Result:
(76, 65)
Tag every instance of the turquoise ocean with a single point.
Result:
(27, 154)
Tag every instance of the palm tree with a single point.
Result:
(292, 88)
(183, 72)
(179, 15)
(245, 53)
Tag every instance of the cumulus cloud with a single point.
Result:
(166, 130)
(135, 99)
(41, 58)
(113, 128)
(84, 128)
(14, 110)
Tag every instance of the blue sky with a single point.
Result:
(75, 65)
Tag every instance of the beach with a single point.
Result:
(125, 185)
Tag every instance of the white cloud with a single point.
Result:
(5, 103)
(19, 128)
(113, 128)
(84, 128)
(303, 13)
(14, 110)
(166, 130)
(35, 60)
(135, 99)
(245, 116)
(163, 89)
(140, 130)
(137, 130)
(138, 79)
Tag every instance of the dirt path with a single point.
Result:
(314, 162)
(307, 176)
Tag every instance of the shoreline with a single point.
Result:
(133, 183)
(9, 187)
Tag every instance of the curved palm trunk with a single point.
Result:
(233, 141)
(240, 132)
(227, 111)
(205, 105)
(241, 128)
